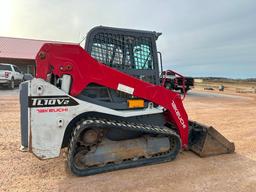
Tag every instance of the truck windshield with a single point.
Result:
(5, 67)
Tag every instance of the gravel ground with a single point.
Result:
(4, 91)
(222, 95)
(233, 117)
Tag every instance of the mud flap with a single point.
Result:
(207, 141)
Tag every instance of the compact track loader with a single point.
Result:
(105, 103)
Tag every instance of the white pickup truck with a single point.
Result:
(10, 75)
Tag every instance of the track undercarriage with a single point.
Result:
(91, 152)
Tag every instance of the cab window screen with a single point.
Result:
(122, 51)
(142, 57)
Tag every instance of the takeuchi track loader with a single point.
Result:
(105, 103)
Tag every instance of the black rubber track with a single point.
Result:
(101, 123)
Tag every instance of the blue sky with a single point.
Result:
(200, 37)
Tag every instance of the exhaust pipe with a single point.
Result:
(207, 141)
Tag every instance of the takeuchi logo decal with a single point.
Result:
(182, 122)
(51, 101)
(52, 110)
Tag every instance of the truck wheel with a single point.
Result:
(11, 84)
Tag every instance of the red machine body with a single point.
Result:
(99, 103)
(84, 70)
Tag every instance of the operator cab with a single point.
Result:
(131, 51)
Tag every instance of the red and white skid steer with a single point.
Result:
(105, 104)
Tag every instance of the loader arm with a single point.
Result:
(59, 59)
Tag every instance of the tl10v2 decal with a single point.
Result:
(51, 101)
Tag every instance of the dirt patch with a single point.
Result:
(235, 118)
